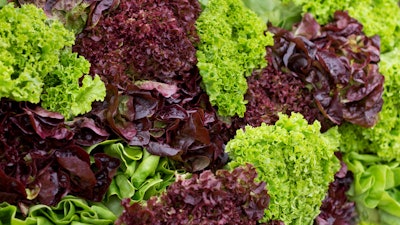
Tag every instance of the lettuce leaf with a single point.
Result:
(377, 16)
(62, 92)
(295, 160)
(30, 46)
(37, 63)
(140, 175)
(282, 14)
(384, 138)
(232, 44)
(70, 210)
(226, 197)
(375, 188)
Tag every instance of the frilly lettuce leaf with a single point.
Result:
(37, 63)
(30, 46)
(62, 92)
(295, 160)
(232, 44)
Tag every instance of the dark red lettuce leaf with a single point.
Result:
(336, 209)
(39, 161)
(143, 40)
(87, 132)
(338, 63)
(272, 91)
(224, 198)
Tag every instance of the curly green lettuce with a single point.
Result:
(37, 63)
(380, 17)
(63, 92)
(296, 161)
(384, 138)
(232, 44)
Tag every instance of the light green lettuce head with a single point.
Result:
(296, 161)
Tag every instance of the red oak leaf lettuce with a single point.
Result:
(338, 63)
(337, 209)
(39, 161)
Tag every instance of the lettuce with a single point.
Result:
(295, 160)
(70, 210)
(226, 197)
(282, 14)
(375, 188)
(37, 63)
(30, 46)
(378, 16)
(384, 138)
(63, 93)
(140, 175)
(232, 44)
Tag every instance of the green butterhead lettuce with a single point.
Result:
(70, 210)
(232, 44)
(375, 189)
(140, 176)
(281, 14)
(295, 160)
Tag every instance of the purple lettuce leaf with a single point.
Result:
(42, 163)
(221, 198)
(338, 63)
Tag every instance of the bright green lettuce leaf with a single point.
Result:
(37, 63)
(232, 44)
(62, 92)
(295, 160)
(375, 188)
(140, 175)
(282, 14)
(384, 138)
(9, 214)
(381, 17)
(30, 45)
(70, 210)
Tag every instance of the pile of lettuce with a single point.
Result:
(140, 175)
(145, 51)
(70, 210)
(169, 84)
(328, 73)
(378, 17)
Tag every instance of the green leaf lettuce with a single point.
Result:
(295, 160)
(232, 44)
